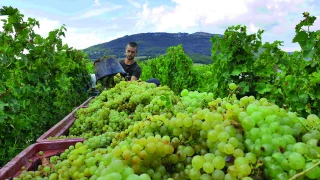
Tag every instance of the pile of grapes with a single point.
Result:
(117, 108)
(137, 131)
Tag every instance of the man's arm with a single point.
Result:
(136, 75)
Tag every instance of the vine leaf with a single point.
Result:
(244, 87)
(301, 36)
(262, 88)
(303, 98)
(238, 70)
(2, 89)
(9, 11)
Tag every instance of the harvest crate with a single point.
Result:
(30, 158)
(62, 127)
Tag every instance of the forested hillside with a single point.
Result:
(196, 45)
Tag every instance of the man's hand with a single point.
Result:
(133, 78)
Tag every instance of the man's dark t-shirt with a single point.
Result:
(132, 70)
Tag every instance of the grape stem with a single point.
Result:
(303, 125)
(303, 172)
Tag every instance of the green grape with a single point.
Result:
(218, 174)
(218, 162)
(312, 120)
(289, 139)
(300, 147)
(244, 169)
(209, 117)
(219, 128)
(194, 174)
(53, 176)
(187, 122)
(223, 137)
(184, 93)
(145, 177)
(254, 133)
(238, 153)
(233, 171)
(213, 135)
(46, 169)
(150, 147)
(248, 123)
(198, 161)
(251, 108)
(133, 177)
(205, 177)
(232, 86)
(208, 167)
(257, 117)
(296, 161)
(233, 141)
(230, 130)
(278, 142)
(228, 149)
(189, 151)
(251, 157)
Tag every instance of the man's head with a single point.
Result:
(131, 50)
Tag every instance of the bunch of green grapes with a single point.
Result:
(118, 78)
(200, 133)
(195, 137)
(62, 137)
(274, 135)
(115, 109)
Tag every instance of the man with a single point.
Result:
(130, 66)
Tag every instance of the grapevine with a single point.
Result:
(41, 80)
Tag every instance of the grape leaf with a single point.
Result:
(301, 36)
(263, 88)
(2, 89)
(9, 11)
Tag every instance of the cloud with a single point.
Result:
(134, 3)
(209, 13)
(252, 28)
(316, 24)
(188, 13)
(277, 17)
(46, 25)
(96, 12)
(81, 38)
(1, 22)
(291, 48)
(96, 3)
(75, 37)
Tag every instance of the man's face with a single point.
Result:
(131, 52)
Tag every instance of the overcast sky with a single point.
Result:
(91, 22)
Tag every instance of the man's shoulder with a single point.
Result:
(137, 65)
(122, 63)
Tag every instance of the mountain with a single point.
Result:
(196, 45)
